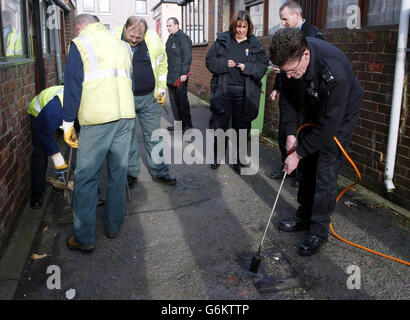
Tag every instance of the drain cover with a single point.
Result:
(274, 274)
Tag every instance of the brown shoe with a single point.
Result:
(74, 245)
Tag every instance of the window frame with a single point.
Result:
(24, 37)
(316, 13)
(265, 22)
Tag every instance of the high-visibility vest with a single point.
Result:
(107, 89)
(45, 96)
(14, 43)
(158, 57)
(117, 32)
(159, 61)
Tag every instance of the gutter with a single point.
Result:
(397, 94)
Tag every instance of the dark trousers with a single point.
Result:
(39, 161)
(318, 173)
(233, 104)
(317, 194)
(180, 104)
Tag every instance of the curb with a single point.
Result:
(19, 247)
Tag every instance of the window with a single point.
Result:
(104, 5)
(332, 14)
(274, 19)
(383, 12)
(258, 11)
(337, 13)
(12, 38)
(256, 14)
(141, 7)
(107, 26)
(89, 6)
(194, 15)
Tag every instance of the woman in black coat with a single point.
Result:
(238, 62)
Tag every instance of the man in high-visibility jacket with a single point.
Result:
(149, 86)
(46, 116)
(12, 38)
(98, 89)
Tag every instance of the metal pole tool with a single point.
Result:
(256, 260)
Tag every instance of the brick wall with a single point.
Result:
(17, 89)
(372, 54)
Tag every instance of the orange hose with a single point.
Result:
(343, 192)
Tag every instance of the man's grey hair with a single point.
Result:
(292, 6)
(136, 21)
(85, 19)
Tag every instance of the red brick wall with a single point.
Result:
(199, 82)
(17, 89)
(373, 56)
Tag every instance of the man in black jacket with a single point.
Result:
(291, 16)
(179, 53)
(318, 86)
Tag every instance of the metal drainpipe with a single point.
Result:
(57, 44)
(397, 95)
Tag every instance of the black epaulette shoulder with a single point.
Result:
(328, 76)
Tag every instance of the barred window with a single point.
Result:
(194, 16)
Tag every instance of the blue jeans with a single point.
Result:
(149, 116)
(96, 143)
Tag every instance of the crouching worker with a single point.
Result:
(319, 87)
(46, 116)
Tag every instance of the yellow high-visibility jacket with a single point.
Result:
(44, 97)
(107, 62)
(158, 56)
(14, 43)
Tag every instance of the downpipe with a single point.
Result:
(397, 95)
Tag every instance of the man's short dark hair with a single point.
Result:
(241, 15)
(287, 44)
(292, 6)
(175, 20)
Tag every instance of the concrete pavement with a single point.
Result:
(183, 241)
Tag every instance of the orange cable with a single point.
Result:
(343, 192)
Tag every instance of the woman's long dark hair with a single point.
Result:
(242, 15)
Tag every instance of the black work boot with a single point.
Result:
(311, 244)
(294, 224)
(36, 201)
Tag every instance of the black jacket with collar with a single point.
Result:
(328, 94)
(255, 68)
(179, 53)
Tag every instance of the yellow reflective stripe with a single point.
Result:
(99, 74)
(90, 52)
(158, 60)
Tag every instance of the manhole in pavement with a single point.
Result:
(274, 274)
